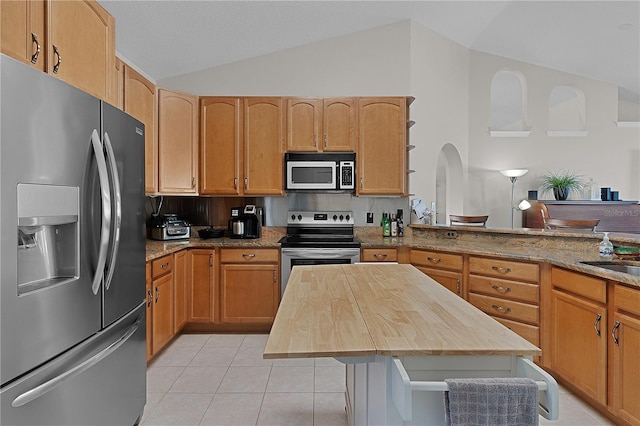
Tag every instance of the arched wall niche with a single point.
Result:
(449, 183)
(508, 104)
(567, 111)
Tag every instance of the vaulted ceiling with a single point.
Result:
(595, 39)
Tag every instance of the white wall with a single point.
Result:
(451, 85)
(608, 154)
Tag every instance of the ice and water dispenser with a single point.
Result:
(48, 236)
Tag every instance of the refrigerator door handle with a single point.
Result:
(106, 210)
(49, 385)
(117, 199)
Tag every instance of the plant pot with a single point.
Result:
(560, 194)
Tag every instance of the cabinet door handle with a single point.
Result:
(210, 259)
(614, 332)
(596, 324)
(458, 286)
(501, 289)
(34, 57)
(379, 255)
(501, 269)
(157, 294)
(434, 259)
(149, 297)
(315, 141)
(246, 183)
(249, 255)
(324, 140)
(235, 183)
(56, 67)
(275, 276)
(193, 183)
(361, 182)
(500, 308)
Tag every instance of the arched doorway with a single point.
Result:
(449, 183)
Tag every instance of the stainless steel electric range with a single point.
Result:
(318, 238)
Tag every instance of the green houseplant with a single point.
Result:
(562, 183)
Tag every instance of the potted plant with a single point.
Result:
(562, 183)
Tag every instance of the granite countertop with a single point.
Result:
(560, 249)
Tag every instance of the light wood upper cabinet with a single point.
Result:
(382, 147)
(263, 146)
(23, 34)
(321, 124)
(140, 100)
(81, 46)
(177, 143)
(242, 146)
(221, 147)
(76, 41)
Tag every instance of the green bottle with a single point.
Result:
(386, 225)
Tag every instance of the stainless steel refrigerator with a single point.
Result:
(72, 255)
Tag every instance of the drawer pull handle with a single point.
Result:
(501, 269)
(164, 265)
(249, 256)
(379, 255)
(501, 289)
(500, 308)
(434, 259)
(616, 326)
(596, 324)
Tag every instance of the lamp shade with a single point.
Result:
(524, 205)
(514, 172)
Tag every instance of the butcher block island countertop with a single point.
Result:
(365, 310)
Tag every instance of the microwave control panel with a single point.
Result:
(346, 175)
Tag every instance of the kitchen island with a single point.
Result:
(400, 334)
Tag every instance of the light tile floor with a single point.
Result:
(221, 379)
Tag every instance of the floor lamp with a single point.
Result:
(513, 175)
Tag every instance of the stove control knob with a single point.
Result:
(341, 218)
(335, 217)
(299, 217)
(293, 217)
(348, 217)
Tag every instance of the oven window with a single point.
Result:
(295, 262)
(320, 174)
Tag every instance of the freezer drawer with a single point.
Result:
(102, 381)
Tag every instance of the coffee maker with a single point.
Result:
(245, 222)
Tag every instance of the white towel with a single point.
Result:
(491, 402)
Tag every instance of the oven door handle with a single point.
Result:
(318, 255)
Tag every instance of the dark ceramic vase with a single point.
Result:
(560, 193)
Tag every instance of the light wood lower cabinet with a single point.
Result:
(578, 328)
(201, 287)
(162, 306)
(625, 354)
(249, 285)
(180, 282)
(509, 291)
(445, 268)
(379, 255)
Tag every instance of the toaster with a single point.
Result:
(168, 227)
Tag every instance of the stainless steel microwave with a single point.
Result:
(320, 172)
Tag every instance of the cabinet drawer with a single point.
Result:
(627, 299)
(505, 269)
(503, 308)
(161, 266)
(248, 255)
(529, 332)
(580, 284)
(436, 259)
(379, 255)
(504, 288)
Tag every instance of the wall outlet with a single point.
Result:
(369, 217)
(452, 234)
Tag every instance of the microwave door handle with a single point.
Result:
(106, 210)
(117, 222)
